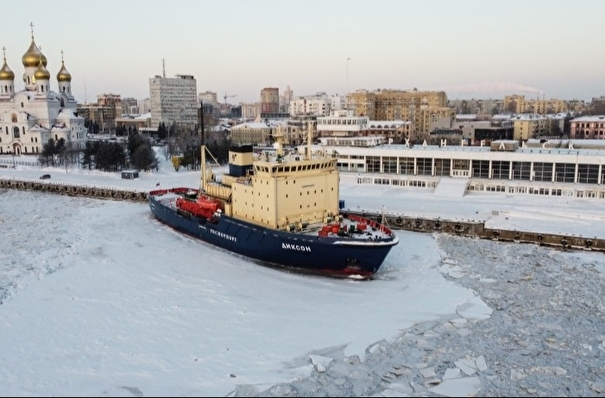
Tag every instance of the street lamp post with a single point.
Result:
(13, 153)
(347, 88)
(348, 59)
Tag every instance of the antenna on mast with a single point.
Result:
(163, 68)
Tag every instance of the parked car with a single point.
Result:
(45, 176)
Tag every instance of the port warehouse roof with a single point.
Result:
(498, 149)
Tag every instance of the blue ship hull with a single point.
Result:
(329, 255)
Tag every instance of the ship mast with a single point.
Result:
(309, 139)
(203, 168)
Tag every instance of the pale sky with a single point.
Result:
(469, 49)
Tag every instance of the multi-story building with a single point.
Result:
(479, 128)
(424, 108)
(477, 106)
(104, 112)
(208, 98)
(144, 106)
(251, 111)
(394, 131)
(588, 127)
(319, 104)
(518, 104)
(342, 123)
(597, 106)
(269, 100)
(174, 100)
(284, 101)
(130, 106)
(297, 128)
(514, 103)
(31, 117)
(528, 126)
(141, 123)
(251, 133)
(565, 168)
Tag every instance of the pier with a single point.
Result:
(98, 192)
(467, 228)
(477, 229)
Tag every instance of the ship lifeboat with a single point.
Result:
(201, 208)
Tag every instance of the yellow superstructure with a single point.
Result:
(288, 193)
(277, 190)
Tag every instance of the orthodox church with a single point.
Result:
(31, 117)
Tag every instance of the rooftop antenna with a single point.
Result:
(85, 95)
(163, 68)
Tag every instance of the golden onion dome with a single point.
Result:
(42, 73)
(33, 56)
(63, 75)
(6, 73)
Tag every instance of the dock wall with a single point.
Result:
(98, 192)
(466, 228)
(478, 229)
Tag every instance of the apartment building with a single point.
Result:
(173, 100)
(269, 100)
(320, 104)
(518, 104)
(426, 109)
(588, 127)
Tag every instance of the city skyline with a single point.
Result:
(238, 48)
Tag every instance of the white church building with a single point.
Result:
(31, 117)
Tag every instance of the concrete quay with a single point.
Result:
(396, 221)
(478, 229)
(99, 192)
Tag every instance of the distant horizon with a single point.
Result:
(238, 48)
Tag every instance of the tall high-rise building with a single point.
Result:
(173, 100)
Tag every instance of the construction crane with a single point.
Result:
(228, 96)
